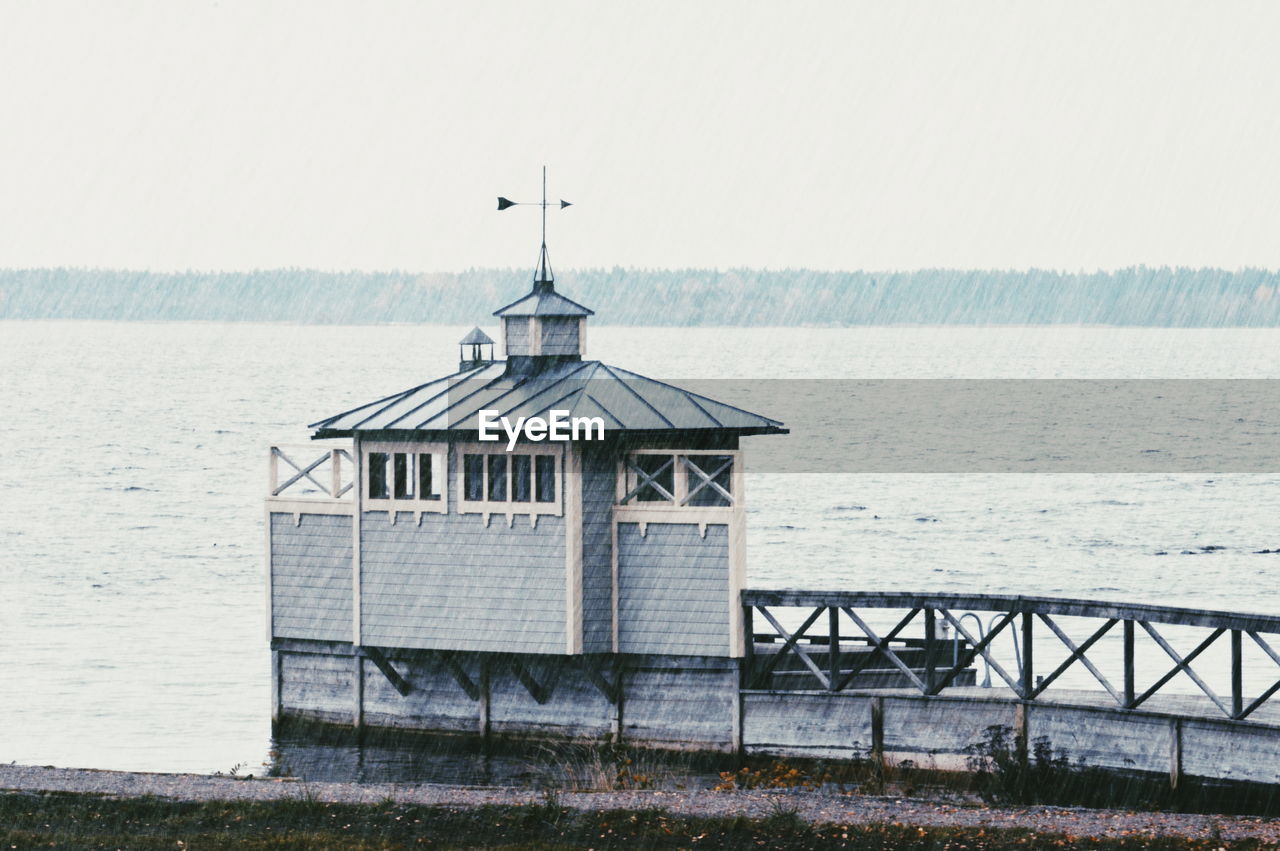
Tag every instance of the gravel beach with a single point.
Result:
(815, 807)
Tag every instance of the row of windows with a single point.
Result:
(674, 479)
(509, 478)
(406, 475)
(485, 477)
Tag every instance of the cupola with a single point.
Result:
(543, 328)
(471, 353)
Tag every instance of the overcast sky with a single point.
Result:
(228, 135)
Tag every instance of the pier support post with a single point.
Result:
(357, 688)
(1129, 679)
(483, 702)
(737, 722)
(1175, 754)
(930, 649)
(1022, 732)
(620, 692)
(277, 674)
(877, 732)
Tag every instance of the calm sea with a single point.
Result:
(134, 466)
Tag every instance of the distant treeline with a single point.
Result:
(1177, 297)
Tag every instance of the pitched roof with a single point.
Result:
(544, 304)
(475, 336)
(626, 402)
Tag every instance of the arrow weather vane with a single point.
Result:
(543, 274)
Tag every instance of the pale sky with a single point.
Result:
(229, 135)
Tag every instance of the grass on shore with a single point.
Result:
(60, 820)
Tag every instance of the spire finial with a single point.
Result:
(543, 278)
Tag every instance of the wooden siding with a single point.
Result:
(311, 577)
(560, 336)
(673, 589)
(685, 702)
(599, 468)
(451, 583)
(807, 725)
(317, 685)
(516, 333)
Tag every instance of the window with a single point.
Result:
(509, 483)
(408, 475)
(670, 479)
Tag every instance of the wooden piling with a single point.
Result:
(277, 681)
(484, 702)
(357, 688)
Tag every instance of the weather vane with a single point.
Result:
(544, 274)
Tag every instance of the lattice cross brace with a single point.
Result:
(1077, 653)
(1266, 695)
(978, 647)
(649, 480)
(790, 644)
(707, 480)
(1183, 665)
(883, 646)
(861, 665)
(301, 474)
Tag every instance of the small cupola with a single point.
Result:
(471, 354)
(543, 326)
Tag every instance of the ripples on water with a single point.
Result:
(135, 464)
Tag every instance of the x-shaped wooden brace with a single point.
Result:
(1077, 654)
(303, 472)
(1262, 698)
(881, 644)
(649, 480)
(1181, 664)
(707, 480)
(789, 645)
(976, 647)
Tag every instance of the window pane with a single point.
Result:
(427, 485)
(473, 477)
(400, 474)
(702, 493)
(546, 470)
(651, 465)
(497, 478)
(378, 476)
(521, 474)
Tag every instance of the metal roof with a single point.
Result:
(474, 337)
(626, 401)
(548, 303)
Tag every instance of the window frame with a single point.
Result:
(680, 481)
(509, 507)
(414, 503)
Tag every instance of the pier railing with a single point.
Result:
(327, 475)
(835, 645)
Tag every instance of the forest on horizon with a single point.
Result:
(1142, 296)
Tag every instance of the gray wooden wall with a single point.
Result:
(311, 577)
(560, 336)
(673, 589)
(452, 583)
(599, 470)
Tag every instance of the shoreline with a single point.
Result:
(813, 807)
